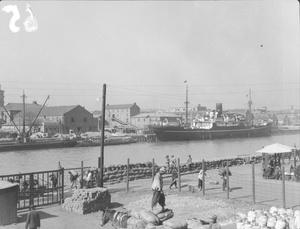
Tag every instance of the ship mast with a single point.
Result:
(23, 133)
(186, 103)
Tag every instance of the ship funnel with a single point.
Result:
(219, 109)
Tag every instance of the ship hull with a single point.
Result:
(46, 144)
(179, 133)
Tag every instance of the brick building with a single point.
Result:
(121, 115)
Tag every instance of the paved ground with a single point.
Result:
(185, 204)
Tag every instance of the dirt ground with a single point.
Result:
(186, 205)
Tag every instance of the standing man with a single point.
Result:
(174, 176)
(200, 179)
(189, 163)
(89, 179)
(168, 163)
(98, 178)
(173, 162)
(157, 188)
(33, 219)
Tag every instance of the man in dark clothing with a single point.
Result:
(33, 219)
(174, 176)
(98, 178)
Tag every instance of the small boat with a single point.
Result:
(114, 140)
(43, 143)
(34, 142)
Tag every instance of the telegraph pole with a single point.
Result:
(102, 135)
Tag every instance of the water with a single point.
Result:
(41, 160)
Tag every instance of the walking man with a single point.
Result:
(33, 219)
(174, 176)
(157, 188)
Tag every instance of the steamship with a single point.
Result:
(217, 124)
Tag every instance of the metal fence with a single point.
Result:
(38, 188)
(246, 182)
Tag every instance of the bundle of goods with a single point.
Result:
(278, 218)
(145, 219)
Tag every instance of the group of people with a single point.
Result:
(91, 178)
(271, 170)
(171, 163)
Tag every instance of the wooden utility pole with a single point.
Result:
(102, 134)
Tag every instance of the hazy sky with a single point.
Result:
(145, 50)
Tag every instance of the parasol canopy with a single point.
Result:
(275, 148)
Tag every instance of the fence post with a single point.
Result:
(127, 180)
(283, 187)
(59, 181)
(179, 178)
(62, 185)
(81, 182)
(253, 183)
(227, 178)
(203, 178)
(31, 186)
(152, 169)
(101, 171)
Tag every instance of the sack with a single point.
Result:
(149, 217)
(135, 223)
(135, 213)
(165, 215)
(175, 224)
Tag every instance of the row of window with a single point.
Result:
(116, 115)
(73, 119)
(118, 110)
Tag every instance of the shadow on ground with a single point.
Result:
(115, 205)
(43, 215)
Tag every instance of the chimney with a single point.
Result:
(34, 102)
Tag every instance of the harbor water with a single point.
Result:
(42, 160)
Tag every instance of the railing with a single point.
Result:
(246, 182)
(38, 188)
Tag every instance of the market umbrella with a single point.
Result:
(275, 148)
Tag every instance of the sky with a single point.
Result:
(144, 51)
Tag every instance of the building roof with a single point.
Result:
(56, 110)
(19, 106)
(120, 106)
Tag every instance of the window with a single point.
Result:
(72, 119)
(84, 119)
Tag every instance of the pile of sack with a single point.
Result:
(146, 219)
(278, 218)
